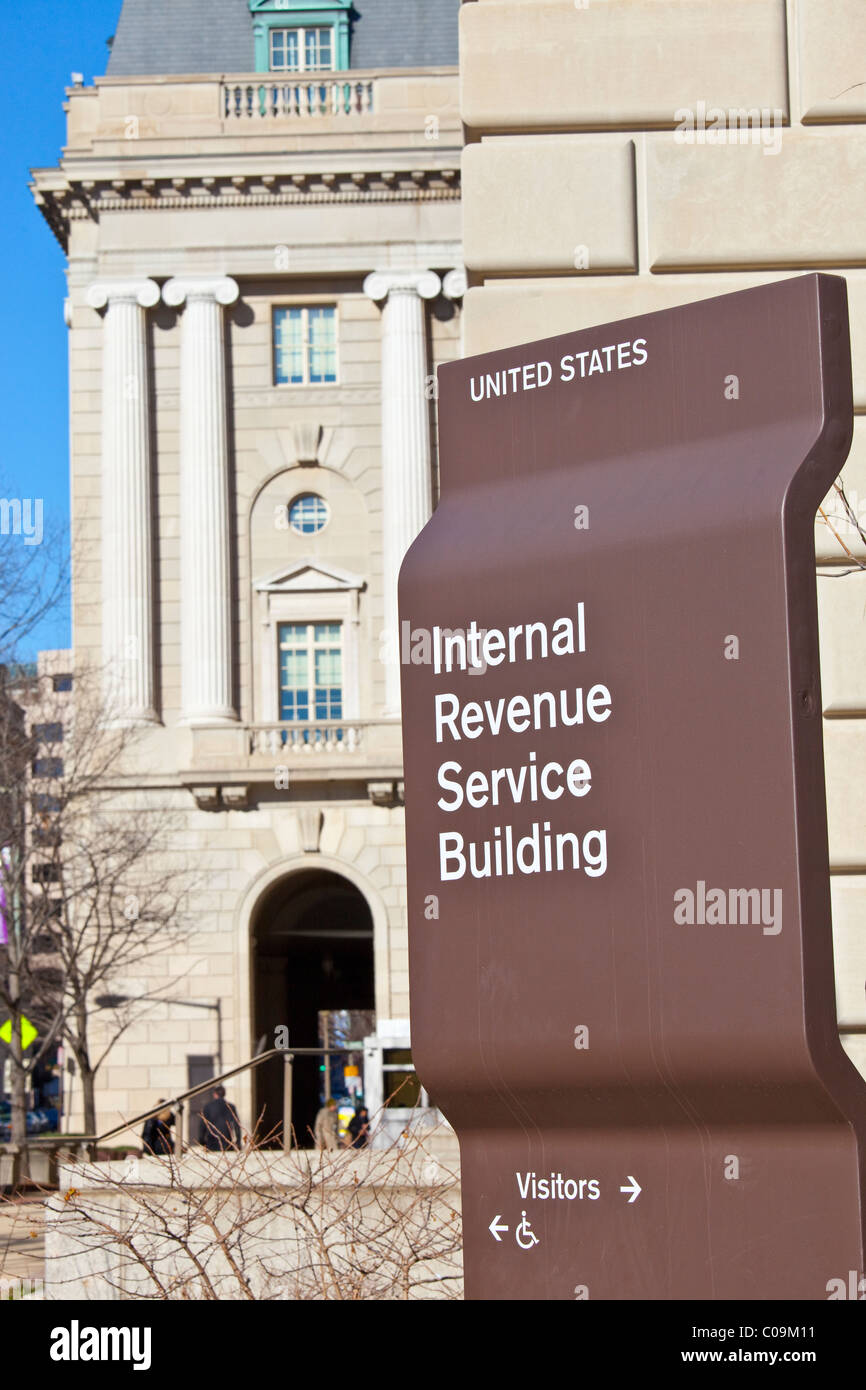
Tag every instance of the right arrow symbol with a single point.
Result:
(634, 1188)
(494, 1228)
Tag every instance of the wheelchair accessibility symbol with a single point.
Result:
(524, 1235)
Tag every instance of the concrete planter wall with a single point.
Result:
(256, 1225)
(41, 1164)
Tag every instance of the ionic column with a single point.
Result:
(205, 540)
(454, 283)
(127, 541)
(454, 287)
(406, 482)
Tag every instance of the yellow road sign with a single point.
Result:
(28, 1032)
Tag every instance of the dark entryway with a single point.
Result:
(198, 1069)
(312, 942)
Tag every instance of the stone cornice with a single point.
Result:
(78, 199)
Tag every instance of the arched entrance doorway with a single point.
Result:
(312, 938)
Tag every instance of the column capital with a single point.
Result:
(454, 283)
(143, 292)
(220, 288)
(380, 283)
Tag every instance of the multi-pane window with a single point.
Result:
(305, 345)
(311, 671)
(302, 50)
(308, 514)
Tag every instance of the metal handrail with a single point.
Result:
(288, 1055)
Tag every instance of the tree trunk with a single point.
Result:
(88, 1092)
(18, 1117)
(85, 1070)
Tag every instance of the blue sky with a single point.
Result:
(44, 42)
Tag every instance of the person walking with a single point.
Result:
(156, 1135)
(219, 1127)
(359, 1128)
(325, 1129)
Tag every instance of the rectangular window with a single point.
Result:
(302, 50)
(305, 345)
(47, 767)
(311, 671)
(48, 733)
(45, 873)
(44, 945)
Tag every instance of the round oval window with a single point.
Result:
(308, 513)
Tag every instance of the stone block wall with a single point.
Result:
(633, 155)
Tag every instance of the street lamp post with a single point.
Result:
(113, 1001)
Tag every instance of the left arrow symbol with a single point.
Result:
(494, 1228)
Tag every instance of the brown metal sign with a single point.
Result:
(621, 962)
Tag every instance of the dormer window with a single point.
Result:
(301, 36)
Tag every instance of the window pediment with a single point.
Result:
(307, 576)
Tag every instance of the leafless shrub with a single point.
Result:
(261, 1225)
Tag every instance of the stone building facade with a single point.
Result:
(262, 222)
(250, 207)
(625, 157)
